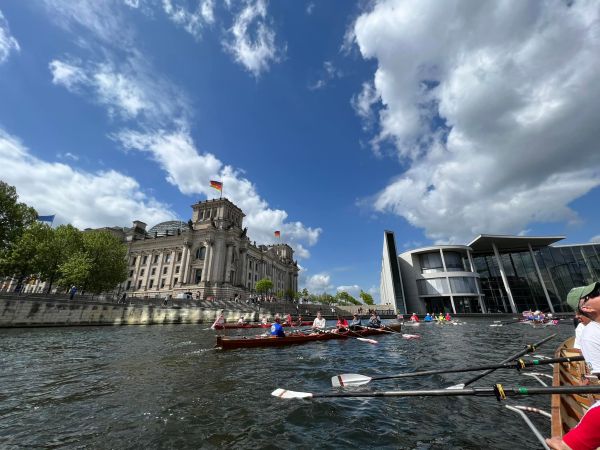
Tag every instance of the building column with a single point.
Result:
(511, 300)
(159, 269)
(148, 264)
(228, 260)
(172, 267)
(448, 282)
(539, 274)
(479, 294)
(206, 259)
(185, 264)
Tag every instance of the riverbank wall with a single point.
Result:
(39, 312)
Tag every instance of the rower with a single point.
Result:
(241, 321)
(586, 434)
(400, 318)
(342, 324)
(448, 318)
(264, 320)
(288, 319)
(374, 321)
(414, 317)
(356, 323)
(319, 323)
(428, 318)
(277, 329)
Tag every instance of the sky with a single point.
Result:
(330, 121)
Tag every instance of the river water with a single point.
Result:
(167, 387)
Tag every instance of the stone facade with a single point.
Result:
(211, 257)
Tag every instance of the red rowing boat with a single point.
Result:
(236, 326)
(229, 343)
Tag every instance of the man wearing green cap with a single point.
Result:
(586, 435)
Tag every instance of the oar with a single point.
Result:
(505, 322)
(360, 338)
(356, 379)
(529, 348)
(497, 391)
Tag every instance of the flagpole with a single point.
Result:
(221, 188)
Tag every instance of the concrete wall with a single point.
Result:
(23, 312)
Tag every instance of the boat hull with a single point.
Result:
(568, 409)
(229, 343)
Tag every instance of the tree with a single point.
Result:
(366, 298)
(14, 217)
(99, 266)
(305, 293)
(344, 298)
(60, 244)
(264, 285)
(20, 259)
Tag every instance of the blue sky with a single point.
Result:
(330, 121)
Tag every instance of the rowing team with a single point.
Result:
(431, 317)
(319, 324)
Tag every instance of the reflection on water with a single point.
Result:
(166, 387)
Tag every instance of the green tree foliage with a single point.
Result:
(99, 266)
(305, 293)
(21, 259)
(366, 298)
(15, 217)
(264, 285)
(325, 299)
(344, 298)
(56, 249)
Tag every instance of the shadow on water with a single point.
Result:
(167, 387)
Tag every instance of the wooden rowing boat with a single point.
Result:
(237, 326)
(229, 343)
(568, 409)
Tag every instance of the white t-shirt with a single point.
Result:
(590, 346)
(578, 332)
(319, 323)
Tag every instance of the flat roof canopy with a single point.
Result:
(506, 243)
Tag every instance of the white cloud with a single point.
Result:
(128, 90)
(310, 8)
(595, 239)
(255, 51)
(363, 104)
(327, 74)
(192, 21)
(493, 109)
(102, 19)
(84, 199)
(8, 43)
(132, 3)
(319, 283)
(191, 171)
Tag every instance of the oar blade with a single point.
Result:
(411, 336)
(370, 341)
(284, 393)
(349, 379)
(456, 387)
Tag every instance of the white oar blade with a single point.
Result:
(349, 379)
(411, 336)
(284, 393)
(370, 341)
(456, 386)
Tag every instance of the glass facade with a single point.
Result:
(561, 269)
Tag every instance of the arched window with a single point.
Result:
(201, 253)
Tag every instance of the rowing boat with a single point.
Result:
(568, 409)
(236, 326)
(228, 343)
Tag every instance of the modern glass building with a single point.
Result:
(493, 273)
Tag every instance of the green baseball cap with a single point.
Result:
(578, 293)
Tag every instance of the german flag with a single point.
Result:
(278, 234)
(217, 185)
